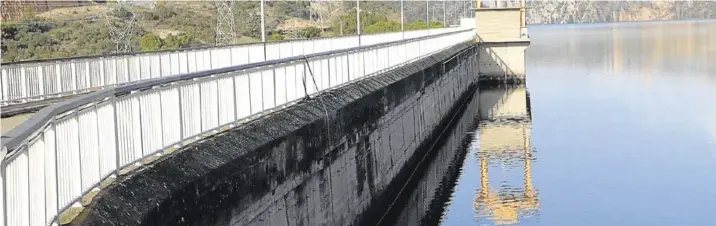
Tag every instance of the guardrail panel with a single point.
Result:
(165, 64)
(151, 122)
(88, 148)
(191, 61)
(256, 53)
(171, 121)
(255, 92)
(51, 205)
(13, 79)
(145, 69)
(36, 155)
(214, 58)
(240, 55)
(280, 80)
(18, 203)
(205, 60)
(325, 74)
(319, 45)
(128, 132)
(292, 83)
(243, 95)
(297, 48)
(313, 76)
(68, 159)
(106, 131)
(268, 94)
(285, 49)
(209, 104)
(4, 86)
(190, 114)
(308, 47)
(34, 86)
(225, 92)
(175, 67)
(310, 76)
(334, 71)
(135, 69)
(108, 66)
(273, 51)
(183, 62)
(344, 69)
(122, 70)
(155, 66)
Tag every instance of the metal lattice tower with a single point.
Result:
(120, 21)
(225, 25)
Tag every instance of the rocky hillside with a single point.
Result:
(561, 12)
(168, 24)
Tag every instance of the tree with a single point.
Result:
(172, 42)
(436, 24)
(275, 37)
(416, 25)
(309, 32)
(349, 21)
(383, 26)
(150, 42)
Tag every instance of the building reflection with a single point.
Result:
(504, 142)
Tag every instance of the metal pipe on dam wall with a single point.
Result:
(336, 159)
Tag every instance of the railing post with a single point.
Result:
(127, 71)
(3, 190)
(101, 72)
(58, 79)
(118, 165)
(88, 75)
(23, 80)
(236, 98)
(161, 72)
(4, 84)
(73, 65)
(41, 81)
(186, 54)
(181, 117)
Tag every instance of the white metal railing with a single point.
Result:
(64, 151)
(41, 79)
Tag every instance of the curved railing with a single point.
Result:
(65, 150)
(41, 79)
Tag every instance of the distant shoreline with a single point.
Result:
(633, 22)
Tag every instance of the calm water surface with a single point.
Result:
(622, 132)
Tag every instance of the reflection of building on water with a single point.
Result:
(504, 138)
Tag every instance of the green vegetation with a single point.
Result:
(150, 42)
(35, 39)
(181, 24)
(416, 25)
(309, 32)
(275, 37)
(383, 26)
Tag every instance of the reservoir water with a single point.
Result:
(615, 126)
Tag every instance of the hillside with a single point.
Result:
(561, 12)
(152, 25)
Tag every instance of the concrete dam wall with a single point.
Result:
(335, 159)
(423, 203)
